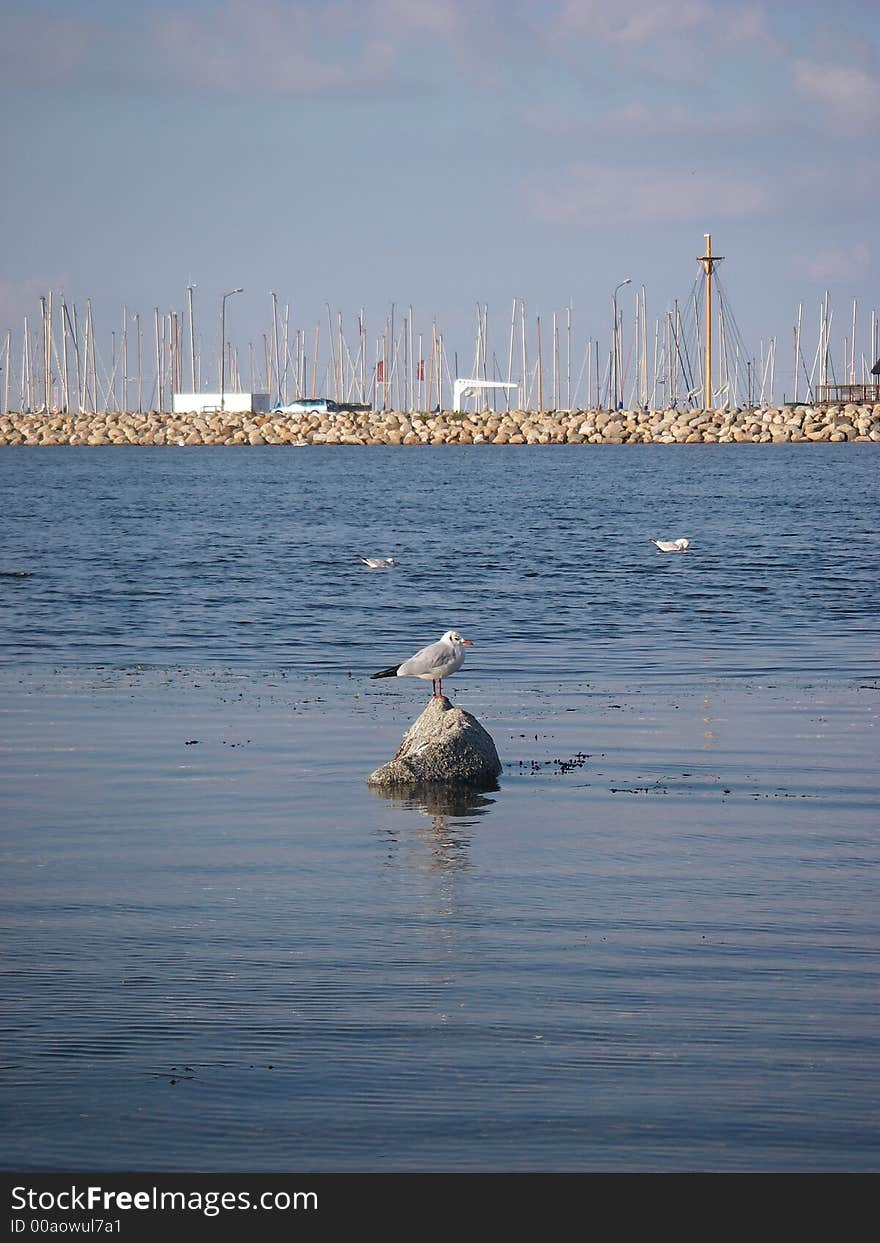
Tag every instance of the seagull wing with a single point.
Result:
(428, 660)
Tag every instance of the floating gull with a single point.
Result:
(675, 545)
(436, 661)
(378, 563)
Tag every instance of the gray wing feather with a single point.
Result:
(428, 658)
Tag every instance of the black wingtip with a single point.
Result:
(385, 673)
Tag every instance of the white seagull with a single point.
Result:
(379, 563)
(436, 661)
(674, 545)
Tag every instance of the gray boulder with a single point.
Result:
(445, 744)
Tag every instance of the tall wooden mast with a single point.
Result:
(708, 261)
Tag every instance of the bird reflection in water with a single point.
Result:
(451, 809)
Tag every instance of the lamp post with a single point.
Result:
(223, 343)
(615, 351)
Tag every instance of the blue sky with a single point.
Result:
(441, 154)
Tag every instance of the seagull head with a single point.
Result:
(452, 636)
(682, 543)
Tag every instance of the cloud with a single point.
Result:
(641, 120)
(829, 266)
(285, 49)
(299, 47)
(29, 46)
(294, 47)
(439, 17)
(277, 47)
(594, 192)
(849, 94)
(635, 21)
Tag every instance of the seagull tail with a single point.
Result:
(386, 673)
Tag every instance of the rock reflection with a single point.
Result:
(452, 810)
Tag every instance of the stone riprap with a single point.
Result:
(763, 425)
(445, 744)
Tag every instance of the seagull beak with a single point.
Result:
(466, 643)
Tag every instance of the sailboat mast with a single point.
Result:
(522, 329)
(192, 340)
(91, 328)
(510, 354)
(158, 359)
(708, 261)
(124, 344)
(6, 377)
(45, 331)
(568, 357)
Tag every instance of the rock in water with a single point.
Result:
(445, 744)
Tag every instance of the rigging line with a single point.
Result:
(728, 312)
(687, 366)
(684, 361)
(807, 375)
(691, 318)
(580, 377)
(729, 326)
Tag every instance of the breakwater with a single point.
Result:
(765, 425)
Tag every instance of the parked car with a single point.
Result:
(308, 405)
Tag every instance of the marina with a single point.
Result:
(692, 357)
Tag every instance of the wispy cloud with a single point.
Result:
(308, 47)
(637, 21)
(634, 23)
(285, 49)
(849, 95)
(829, 266)
(278, 47)
(29, 46)
(641, 120)
(440, 17)
(304, 47)
(596, 192)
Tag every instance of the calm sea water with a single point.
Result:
(653, 947)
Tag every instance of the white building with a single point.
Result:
(233, 403)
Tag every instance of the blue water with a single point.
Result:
(151, 556)
(653, 947)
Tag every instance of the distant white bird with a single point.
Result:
(436, 661)
(675, 545)
(379, 563)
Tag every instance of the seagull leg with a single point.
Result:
(433, 688)
(440, 692)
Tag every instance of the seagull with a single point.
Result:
(436, 661)
(675, 545)
(379, 563)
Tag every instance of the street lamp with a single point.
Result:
(223, 343)
(615, 352)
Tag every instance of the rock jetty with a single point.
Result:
(445, 744)
(763, 425)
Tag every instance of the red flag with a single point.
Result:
(421, 374)
(380, 371)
